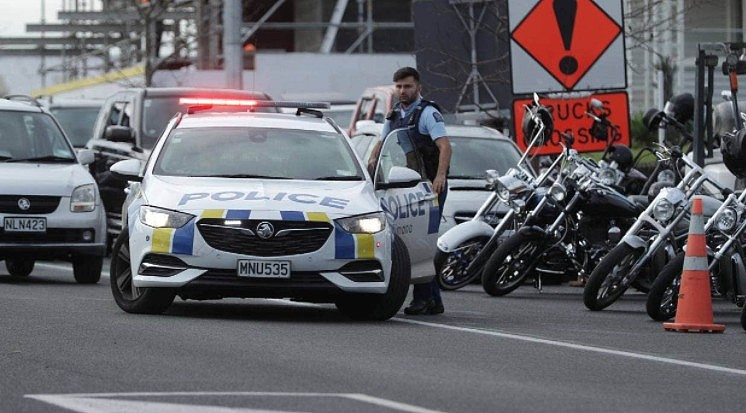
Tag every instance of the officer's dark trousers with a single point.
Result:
(431, 291)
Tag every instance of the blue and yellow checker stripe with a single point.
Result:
(433, 223)
(181, 240)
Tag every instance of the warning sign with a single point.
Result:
(566, 45)
(570, 117)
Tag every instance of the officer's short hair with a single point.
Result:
(406, 72)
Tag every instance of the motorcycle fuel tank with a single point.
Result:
(604, 203)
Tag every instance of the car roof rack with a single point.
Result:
(23, 98)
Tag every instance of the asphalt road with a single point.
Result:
(67, 347)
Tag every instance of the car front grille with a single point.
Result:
(240, 237)
(38, 204)
(51, 236)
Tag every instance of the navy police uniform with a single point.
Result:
(425, 125)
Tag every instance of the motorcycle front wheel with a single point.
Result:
(663, 297)
(743, 317)
(451, 267)
(607, 281)
(511, 263)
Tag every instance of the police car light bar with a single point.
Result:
(252, 103)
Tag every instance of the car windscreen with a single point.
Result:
(77, 122)
(244, 152)
(158, 110)
(32, 136)
(471, 157)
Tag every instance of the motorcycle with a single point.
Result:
(569, 230)
(725, 233)
(656, 236)
(617, 165)
(463, 249)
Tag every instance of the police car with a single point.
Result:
(272, 205)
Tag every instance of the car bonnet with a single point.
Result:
(195, 195)
(42, 178)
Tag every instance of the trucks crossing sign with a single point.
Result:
(570, 117)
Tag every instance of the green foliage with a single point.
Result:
(640, 136)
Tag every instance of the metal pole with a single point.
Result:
(698, 150)
(370, 26)
(661, 101)
(42, 65)
(232, 47)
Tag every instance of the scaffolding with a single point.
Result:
(167, 34)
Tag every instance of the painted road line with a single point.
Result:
(580, 347)
(103, 402)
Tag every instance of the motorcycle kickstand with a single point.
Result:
(537, 282)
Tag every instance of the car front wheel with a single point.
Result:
(128, 297)
(19, 267)
(380, 307)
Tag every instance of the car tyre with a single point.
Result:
(128, 297)
(87, 269)
(380, 307)
(18, 267)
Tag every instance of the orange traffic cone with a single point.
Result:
(694, 310)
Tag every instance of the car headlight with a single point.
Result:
(666, 176)
(363, 224)
(727, 220)
(502, 191)
(83, 198)
(557, 192)
(163, 218)
(663, 210)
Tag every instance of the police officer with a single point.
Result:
(429, 136)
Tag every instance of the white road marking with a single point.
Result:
(103, 402)
(581, 347)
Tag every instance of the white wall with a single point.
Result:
(295, 75)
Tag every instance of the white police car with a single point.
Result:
(271, 205)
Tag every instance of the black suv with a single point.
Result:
(128, 126)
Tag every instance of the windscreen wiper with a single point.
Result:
(48, 158)
(245, 176)
(339, 178)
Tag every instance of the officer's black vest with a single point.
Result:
(424, 144)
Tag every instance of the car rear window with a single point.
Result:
(471, 157)
(158, 110)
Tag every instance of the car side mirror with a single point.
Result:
(117, 133)
(86, 156)
(128, 169)
(400, 177)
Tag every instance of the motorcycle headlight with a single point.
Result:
(163, 218)
(557, 192)
(666, 176)
(502, 191)
(663, 210)
(607, 176)
(83, 198)
(363, 224)
(727, 220)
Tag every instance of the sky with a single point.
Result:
(16, 13)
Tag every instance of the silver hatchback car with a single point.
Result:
(50, 207)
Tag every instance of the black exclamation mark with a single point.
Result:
(565, 11)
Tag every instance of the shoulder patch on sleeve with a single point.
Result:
(438, 117)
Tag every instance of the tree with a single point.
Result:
(151, 13)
